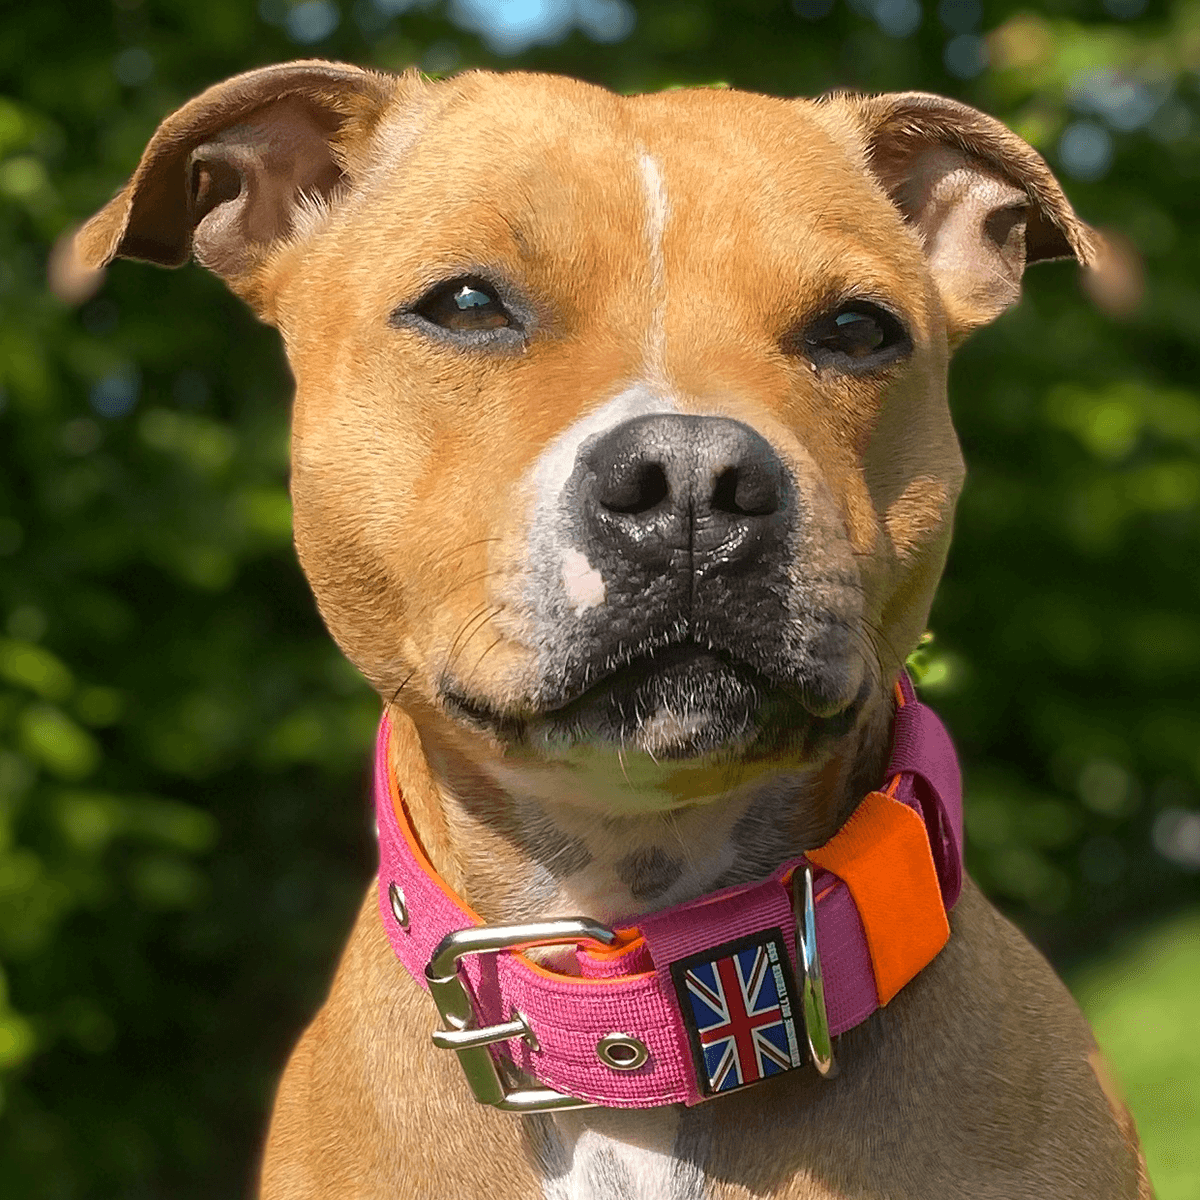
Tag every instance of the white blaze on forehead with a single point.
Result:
(656, 222)
(583, 584)
(550, 551)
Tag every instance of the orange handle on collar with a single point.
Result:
(882, 855)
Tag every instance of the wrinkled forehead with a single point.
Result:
(526, 170)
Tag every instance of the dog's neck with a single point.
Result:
(515, 856)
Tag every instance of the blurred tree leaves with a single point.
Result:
(183, 834)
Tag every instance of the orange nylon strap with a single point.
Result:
(882, 855)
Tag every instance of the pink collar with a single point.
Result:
(707, 996)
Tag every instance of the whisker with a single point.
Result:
(433, 561)
(466, 582)
(621, 759)
(403, 684)
(671, 821)
(480, 659)
(478, 617)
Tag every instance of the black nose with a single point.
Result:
(663, 484)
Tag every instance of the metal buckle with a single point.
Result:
(812, 985)
(457, 1008)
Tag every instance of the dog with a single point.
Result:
(623, 470)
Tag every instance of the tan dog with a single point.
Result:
(495, 291)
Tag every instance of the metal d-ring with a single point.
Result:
(812, 985)
(622, 1051)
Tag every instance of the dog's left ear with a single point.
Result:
(982, 200)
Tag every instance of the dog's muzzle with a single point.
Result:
(680, 602)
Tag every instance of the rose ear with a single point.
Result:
(222, 177)
(982, 200)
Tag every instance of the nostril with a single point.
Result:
(745, 492)
(639, 492)
(724, 497)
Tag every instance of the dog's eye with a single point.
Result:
(857, 337)
(464, 306)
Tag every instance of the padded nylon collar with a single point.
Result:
(883, 885)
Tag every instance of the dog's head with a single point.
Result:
(621, 428)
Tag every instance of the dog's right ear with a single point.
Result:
(222, 177)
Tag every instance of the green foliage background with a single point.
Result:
(183, 826)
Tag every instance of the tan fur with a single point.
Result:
(670, 243)
(1124, 1118)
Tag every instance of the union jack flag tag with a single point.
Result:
(738, 1009)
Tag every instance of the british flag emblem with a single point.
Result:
(738, 1010)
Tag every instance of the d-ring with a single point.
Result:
(812, 986)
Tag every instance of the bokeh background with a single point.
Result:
(183, 818)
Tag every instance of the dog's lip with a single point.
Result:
(626, 706)
(643, 659)
(648, 660)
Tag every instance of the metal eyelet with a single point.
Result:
(399, 907)
(622, 1052)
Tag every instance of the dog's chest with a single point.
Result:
(609, 1155)
(605, 1169)
(651, 1154)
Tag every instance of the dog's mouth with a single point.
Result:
(680, 701)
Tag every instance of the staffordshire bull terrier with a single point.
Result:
(623, 470)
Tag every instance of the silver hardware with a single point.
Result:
(531, 1038)
(458, 1010)
(812, 985)
(399, 907)
(468, 1039)
(622, 1051)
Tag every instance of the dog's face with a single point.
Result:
(621, 443)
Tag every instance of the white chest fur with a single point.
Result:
(602, 1154)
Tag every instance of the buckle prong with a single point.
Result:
(470, 1041)
(812, 984)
